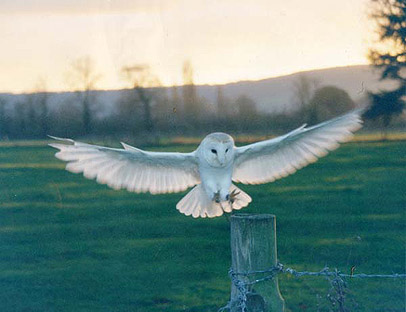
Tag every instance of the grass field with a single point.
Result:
(69, 244)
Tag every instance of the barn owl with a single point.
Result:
(211, 169)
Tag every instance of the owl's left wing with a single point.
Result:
(130, 168)
(276, 158)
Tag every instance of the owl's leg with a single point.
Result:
(216, 197)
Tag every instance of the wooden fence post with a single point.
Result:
(253, 248)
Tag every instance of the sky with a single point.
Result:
(224, 40)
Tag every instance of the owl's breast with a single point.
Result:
(216, 180)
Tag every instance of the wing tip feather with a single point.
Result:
(60, 139)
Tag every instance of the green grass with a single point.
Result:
(69, 244)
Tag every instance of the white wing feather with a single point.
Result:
(130, 168)
(273, 159)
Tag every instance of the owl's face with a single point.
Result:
(218, 149)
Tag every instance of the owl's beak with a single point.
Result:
(222, 160)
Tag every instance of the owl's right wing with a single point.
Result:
(273, 159)
(130, 168)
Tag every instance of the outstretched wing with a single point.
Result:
(273, 159)
(130, 168)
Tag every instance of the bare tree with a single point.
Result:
(4, 131)
(142, 82)
(165, 113)
(42, 102)
(247, 112)
(304, 88)
(20, 119)
(222, 108)
(32, 125)
(190, 99)
(175, 99)
(83, 79)
(176, 120)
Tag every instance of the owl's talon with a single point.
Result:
(216, 197)
(232, 196)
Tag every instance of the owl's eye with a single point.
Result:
(226, 150)
(214, 151)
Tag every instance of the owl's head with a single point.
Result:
(217, 149)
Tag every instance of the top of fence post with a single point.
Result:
(253, 248)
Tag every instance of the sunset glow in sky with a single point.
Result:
(225, 41)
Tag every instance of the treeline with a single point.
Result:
(150, 113)
(139, 112)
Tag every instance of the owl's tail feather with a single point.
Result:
(198, 204)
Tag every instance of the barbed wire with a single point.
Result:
(336, 278)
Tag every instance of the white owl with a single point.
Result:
(211, 168)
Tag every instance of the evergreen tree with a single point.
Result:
(390, 16)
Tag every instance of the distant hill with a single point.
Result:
(277, 94)
(271, 95)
